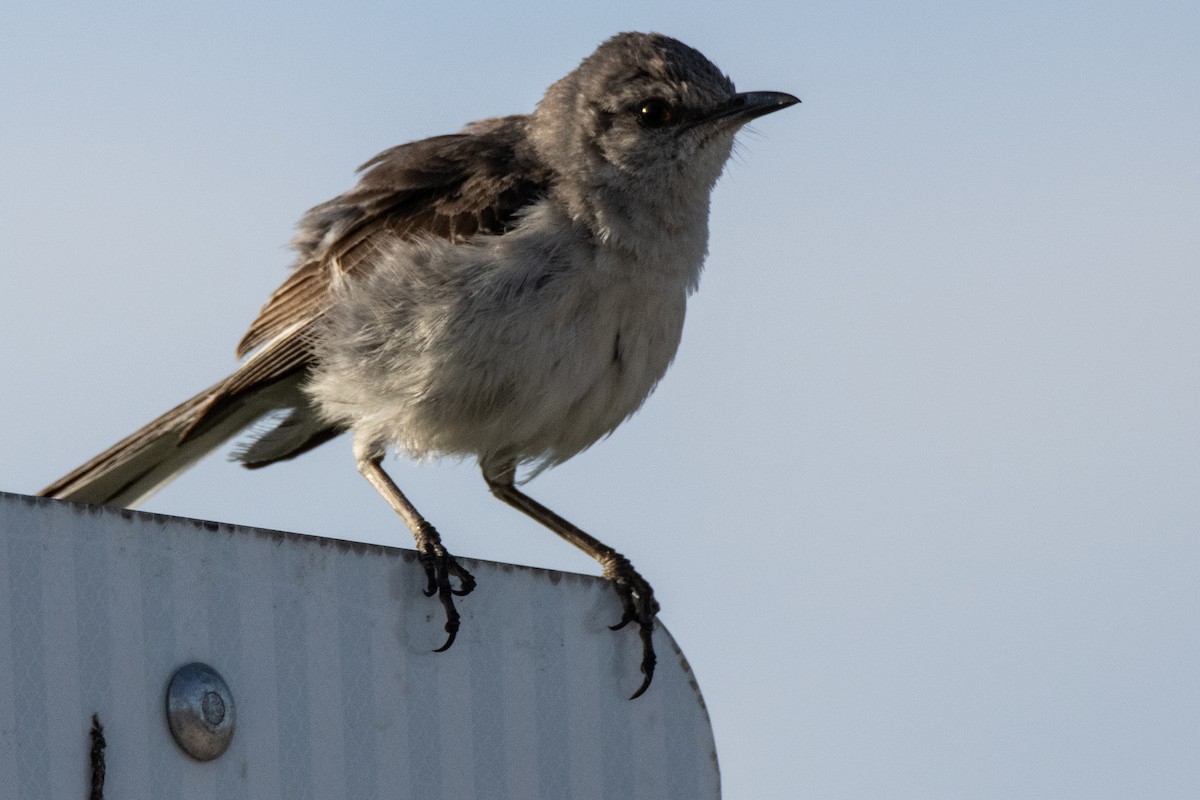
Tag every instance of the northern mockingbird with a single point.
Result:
(512, 292)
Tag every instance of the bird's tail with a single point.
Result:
(143, 462)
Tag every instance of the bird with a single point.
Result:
(511, 292)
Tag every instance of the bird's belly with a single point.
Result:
(561, 387)
(516, 348)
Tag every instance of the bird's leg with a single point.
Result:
(439, 565)
(637, 598)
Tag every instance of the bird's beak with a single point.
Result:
(746, 106)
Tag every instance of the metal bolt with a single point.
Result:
(200, 711)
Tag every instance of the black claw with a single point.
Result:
(452, 630)
(466, 581)
(452, 617)
(630, 612)
(439, 567)
(638, 605)
(645, 685)
(648, 658)
(429, 562)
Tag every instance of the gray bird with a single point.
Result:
(512, 292)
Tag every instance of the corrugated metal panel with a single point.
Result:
(326, 647)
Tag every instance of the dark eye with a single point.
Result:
(657, 113)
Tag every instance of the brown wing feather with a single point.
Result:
(448, 186)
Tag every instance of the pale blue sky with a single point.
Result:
(919, 496)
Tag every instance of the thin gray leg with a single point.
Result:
(637, 597)
(438, 563)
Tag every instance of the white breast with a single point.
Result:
(528, 346)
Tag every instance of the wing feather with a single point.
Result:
(450, 187)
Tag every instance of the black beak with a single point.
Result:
(746, 106)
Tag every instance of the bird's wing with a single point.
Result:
(450, 187)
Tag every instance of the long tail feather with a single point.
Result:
(143, 462)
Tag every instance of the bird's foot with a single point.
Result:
(639, 605)
(440, 567)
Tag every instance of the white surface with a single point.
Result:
(326, 647)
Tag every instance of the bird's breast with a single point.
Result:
(527, 346)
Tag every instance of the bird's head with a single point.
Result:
(645, 113)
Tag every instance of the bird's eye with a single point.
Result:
(657, 113)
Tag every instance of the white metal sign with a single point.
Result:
(325, 648)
